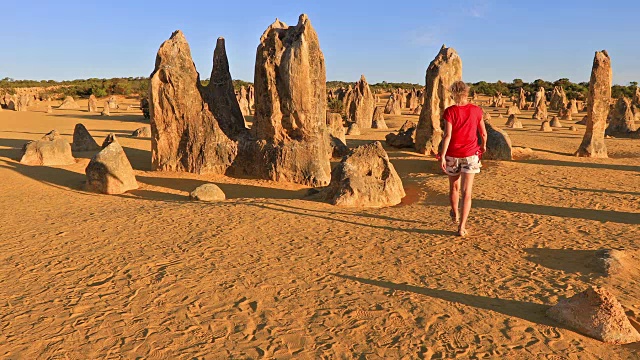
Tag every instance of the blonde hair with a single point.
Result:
(459, 90)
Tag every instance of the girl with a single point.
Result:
(460, 155)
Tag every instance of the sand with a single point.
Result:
(268, 274)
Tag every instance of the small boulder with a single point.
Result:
(405, 138)
(555, 122)
(82, 140)
(110, 172)
(596, 313)
(583, 121)
(49, 109)
(545, 126)
(69, 104)
(353, 129)
(609, 261)
(143, 132)
(498, 144)
(51, 150)
(208, 192)
(365, 178)
(573, 128)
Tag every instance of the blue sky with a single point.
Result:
(385, 40)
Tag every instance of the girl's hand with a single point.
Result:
(443, 164)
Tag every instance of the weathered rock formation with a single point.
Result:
(69, 104)
(545, 126)
(514, 122)
(565, 113)
(50, 150)
(540, 111)
(522, 99)
(417, 110)
(23, 103)
(82, 140)
(144, 132)
(365, 178)
(393, 106)
(498, 144)
(513, 110)
(93, 104)
(598, 107)
(574, 106)
(353, 129)
(558, 98)
(405, 138)
(622, 120)
(378, 119)
(555, 122)
(220, 97)
(360, 104)
(596, 313)
(106, 110)
(443, 71)
(185, 134)
(290, 117)
(110, 172)
(207, 192)
(338, 141)
(113, 102)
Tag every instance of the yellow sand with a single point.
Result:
(268, 274)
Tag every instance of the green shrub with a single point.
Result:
(335, 106)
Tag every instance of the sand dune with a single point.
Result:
(268, 274)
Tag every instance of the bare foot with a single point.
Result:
(454, 218)
(463, 232)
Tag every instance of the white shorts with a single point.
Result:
(469, 165)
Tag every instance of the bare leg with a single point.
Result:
(467, 189)
(454, 196)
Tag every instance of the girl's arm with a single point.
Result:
(483, 135)
(445, 145)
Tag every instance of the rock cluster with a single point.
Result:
(622, 120)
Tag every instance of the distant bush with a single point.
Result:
(335, 106)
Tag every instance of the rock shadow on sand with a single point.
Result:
(531, 312)
(575, 213)
(570, 261)
(313, 214)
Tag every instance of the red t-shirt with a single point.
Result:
(465, 121)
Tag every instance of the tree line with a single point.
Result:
(140, 86)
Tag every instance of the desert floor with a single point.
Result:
(268, 274)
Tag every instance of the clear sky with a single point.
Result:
(385, 40)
